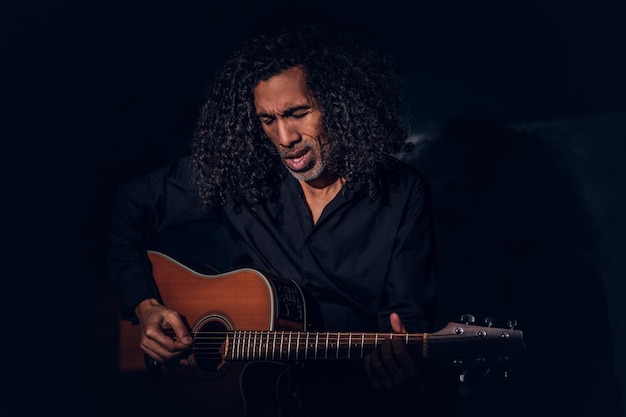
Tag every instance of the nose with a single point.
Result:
(286, 133)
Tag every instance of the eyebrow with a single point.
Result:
(289, 111)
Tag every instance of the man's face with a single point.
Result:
(292, 121)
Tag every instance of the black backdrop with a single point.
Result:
(526, 102)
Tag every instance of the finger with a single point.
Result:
(396, 323)
(179, 328)
(375, 371)
(387, 369)
(166, 351)
(369, 373)
(153, 353)
(403, 358)
(394, 370)
(155, 336)
(158, 342)
(170, 332)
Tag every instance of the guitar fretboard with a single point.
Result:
(289, 346)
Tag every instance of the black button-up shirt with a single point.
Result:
(361, 261)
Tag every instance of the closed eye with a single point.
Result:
(266, 120)
(301, 114)
(296, 113)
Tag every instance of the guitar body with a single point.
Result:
(241, 299)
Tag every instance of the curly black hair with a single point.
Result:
(364, 114)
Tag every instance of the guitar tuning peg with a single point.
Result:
(511, 323)
(489, 321)
(468, 318)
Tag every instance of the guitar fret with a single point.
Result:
(267, 344)
(253, 338)
(349, 345)
(239, 344)
(274, 348)
(249, 345)
(259, 348)
(289, 347)
(246, 345)
(247, 352)
(362, 343)
(298, 346)
(317, 338)
(261, 338)
(242, 345)
(326, 351)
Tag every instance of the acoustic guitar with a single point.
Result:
(248, 325)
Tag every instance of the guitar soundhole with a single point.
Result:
(210, 334)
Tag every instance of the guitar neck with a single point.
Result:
(295, 346)
(456, 344)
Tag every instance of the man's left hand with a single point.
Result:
(390, 364)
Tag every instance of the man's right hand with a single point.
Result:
(164, 335)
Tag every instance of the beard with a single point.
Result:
(315, 167)
(310, 172)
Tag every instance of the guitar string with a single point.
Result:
(255, 343)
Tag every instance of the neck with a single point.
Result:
(325, 184)
(320, 192)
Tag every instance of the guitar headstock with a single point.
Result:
(465, 346)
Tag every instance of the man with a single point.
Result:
(293, 156)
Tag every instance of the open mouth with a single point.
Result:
(298, 161)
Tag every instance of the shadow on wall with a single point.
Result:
(514, 241)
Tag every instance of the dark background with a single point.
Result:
(519, 115)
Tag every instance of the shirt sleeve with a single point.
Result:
(142, 208)
(410, 289)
